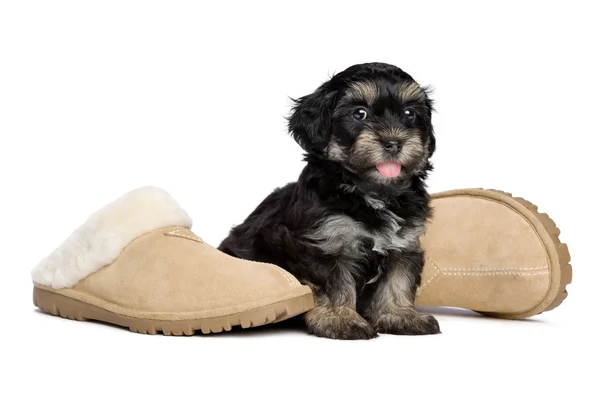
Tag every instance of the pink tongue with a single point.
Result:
(389, 169)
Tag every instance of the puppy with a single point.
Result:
(350, 226)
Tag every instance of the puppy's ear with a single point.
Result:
(310, 121)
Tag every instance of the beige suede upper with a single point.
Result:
(483, 254)
(172, 274)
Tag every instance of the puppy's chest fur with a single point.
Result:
(364, 238)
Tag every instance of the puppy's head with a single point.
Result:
(373, 119)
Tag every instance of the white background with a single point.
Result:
(100, 98)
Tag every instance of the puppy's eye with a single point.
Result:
(360, 114)
(410, 115)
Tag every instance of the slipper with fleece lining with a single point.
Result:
(137, 264)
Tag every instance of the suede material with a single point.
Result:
(171, 271)
(482, 254)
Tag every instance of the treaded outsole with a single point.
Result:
(566, 270)
(69, 308)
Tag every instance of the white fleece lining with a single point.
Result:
(100, 240)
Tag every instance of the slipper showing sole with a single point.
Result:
(493, 253)
(70, 308)
(558, 255)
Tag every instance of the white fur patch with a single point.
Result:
(342, 235)
(100, 240)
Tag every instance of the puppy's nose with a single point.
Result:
(393, 147)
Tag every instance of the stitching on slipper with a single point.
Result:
(288, 276)
(505, 201)
(437, 273)
(496, 273)
(493, 269)
(176, 233)
(285, 274)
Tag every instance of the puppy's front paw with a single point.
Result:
(407, 322)
(338, 323)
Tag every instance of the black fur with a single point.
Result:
(282, 229)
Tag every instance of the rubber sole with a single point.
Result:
(69, 308)
(558, 252)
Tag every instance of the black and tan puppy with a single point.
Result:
(350, 226)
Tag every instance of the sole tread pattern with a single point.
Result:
(69, 308)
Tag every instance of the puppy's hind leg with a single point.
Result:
(392, 309)
(334, 315)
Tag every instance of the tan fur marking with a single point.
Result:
(410, 91)
(369, 145)
(364, 91)
(412, 150)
